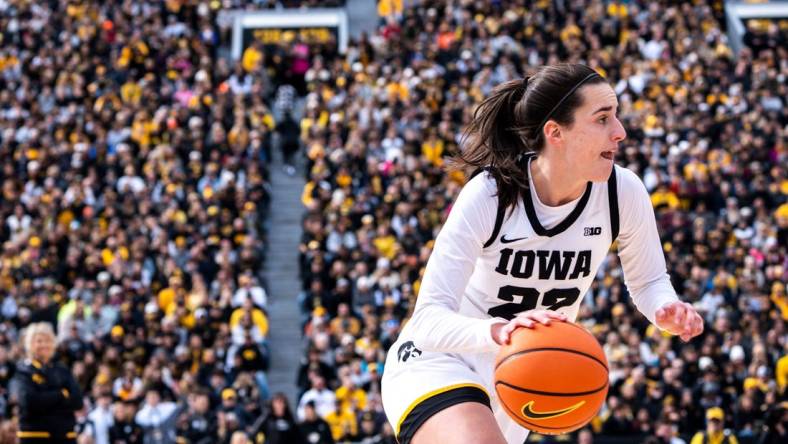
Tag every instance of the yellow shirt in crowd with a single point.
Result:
(347, 395)
(781, 373)
(387, 7)
(433, 151)
(342, 423)
(717, 438)
(665, 197)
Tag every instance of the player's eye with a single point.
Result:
(603, 119)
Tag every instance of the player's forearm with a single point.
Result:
(648, 298)
(437, 328)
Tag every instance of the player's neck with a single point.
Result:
(554, 183)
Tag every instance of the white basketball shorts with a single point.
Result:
(418, 384)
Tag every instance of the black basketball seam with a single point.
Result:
(522, 352)
(538, 392)
(520, 419)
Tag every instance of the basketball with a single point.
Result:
(552, 379)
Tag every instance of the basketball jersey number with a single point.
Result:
(528, 298)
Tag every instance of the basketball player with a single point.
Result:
(521, 245)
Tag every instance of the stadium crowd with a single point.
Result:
(706, 133)
(134, 194)
(134, 179)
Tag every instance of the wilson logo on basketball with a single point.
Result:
(529, 413)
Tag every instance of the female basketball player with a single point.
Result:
(521, 246)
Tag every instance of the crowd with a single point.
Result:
(706, 132)
(135, 165)
(135, 189)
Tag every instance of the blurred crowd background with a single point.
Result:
(135, 189)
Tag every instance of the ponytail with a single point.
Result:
(493, 141)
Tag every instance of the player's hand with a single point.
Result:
(502, 332)
(680, 318)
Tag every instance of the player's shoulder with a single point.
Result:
(482, 180)
(628, 183)
(481, 185)
(626, 177)
(632, 196)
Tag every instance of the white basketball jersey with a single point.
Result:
(527, 266)
(487, 265)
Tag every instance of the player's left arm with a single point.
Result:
(643, 260)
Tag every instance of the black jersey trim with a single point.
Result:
(497, 228)
(612, 198)
(500, 213)
(566, 223)
(477, 172)
(523, 159)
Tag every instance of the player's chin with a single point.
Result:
(602, 169)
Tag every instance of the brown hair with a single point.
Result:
(509, 123)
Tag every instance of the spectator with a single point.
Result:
(776, 427)
(248, 289)
(239, 438)
(85, 428)
(47, 393)
(313, 363)
(250, 357)
(157, 418)
(124, 429)
(370, 431)
(715, 429)
(101, 417)
(342, 422)
(314, 429)
(278, 425)
(288, 135)
(231, 409)
(197, 425)
(322, 398)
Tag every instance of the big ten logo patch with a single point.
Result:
(592, 231)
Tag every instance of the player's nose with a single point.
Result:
(619, 133)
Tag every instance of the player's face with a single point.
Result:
(592, 140)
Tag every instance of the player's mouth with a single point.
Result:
(609, 155)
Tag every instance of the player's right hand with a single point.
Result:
(502, 332)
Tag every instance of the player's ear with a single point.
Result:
(552, 132)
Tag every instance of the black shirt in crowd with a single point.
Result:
(48, 396)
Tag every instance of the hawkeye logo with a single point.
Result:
(529, 413)
(408, 350)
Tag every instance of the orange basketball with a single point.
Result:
(552, 379)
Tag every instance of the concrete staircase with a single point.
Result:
(281, 273)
